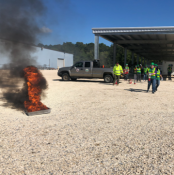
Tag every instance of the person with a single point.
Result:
(152, 78)
(126, 72)
(135, 74)
(138, 73)
(169, 69)
(158, 76)
(117, 70)
(145, 73)
(142, 70)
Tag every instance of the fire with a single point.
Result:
(33, 77)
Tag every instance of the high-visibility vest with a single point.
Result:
(169, 69)
(151, 71)
(158, 75)
(145, 70)
(138, 71)
(117, 70)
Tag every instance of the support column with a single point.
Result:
(137, 59)
(132, 67)
(141, 60)
(125, 56)
(115, 52)
(96, 48)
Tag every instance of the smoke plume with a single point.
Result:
(19, 29)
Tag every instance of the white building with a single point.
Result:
(44, 57)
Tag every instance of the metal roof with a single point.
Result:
(153, 43)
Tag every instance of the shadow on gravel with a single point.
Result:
(135, 90)
(86, 81)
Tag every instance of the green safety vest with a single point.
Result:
(135, 70)
(145, 70)
(169, 69)
(151, 71)
(138, 71)
(127, 68)
(117, 70)
(158, 75)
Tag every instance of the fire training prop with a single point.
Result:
(33, 105)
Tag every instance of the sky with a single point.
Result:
(73, 20)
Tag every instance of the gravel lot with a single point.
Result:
(93, 128)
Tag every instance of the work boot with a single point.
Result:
(153, 92)
(147, 90)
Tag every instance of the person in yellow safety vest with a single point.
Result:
(145, 73)
(158, 76)
(138, 73)
(169, 69)
(152, 78)
(117, 70)
(135, 74)
(126, 72)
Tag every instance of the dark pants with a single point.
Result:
(153, 82)
(139, 77)
(126, 76)
(169, 75)
(116, 78)
(157, 83)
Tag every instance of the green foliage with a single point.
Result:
(85, 52)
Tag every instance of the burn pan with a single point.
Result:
(46, 111)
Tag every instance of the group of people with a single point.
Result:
(153, 74)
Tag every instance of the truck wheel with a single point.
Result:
(73, 79)
(65, 77)
(108, 79)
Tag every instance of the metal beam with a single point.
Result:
(96, 48)
(144, 42)
(149, 47)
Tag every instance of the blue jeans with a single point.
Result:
(145, 77)
(157, 83)
(153, 82)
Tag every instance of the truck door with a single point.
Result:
(77, 70)
(87, 69)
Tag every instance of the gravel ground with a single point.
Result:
(93, 128)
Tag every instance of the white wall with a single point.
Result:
(42, 57)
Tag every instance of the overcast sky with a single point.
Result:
(72, 20)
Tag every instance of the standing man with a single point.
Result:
(152, 76)
(145, 73)
(126, 72)
(117, 70)
(138, 73)
(169, 69)
(158, 76)
(135, 74)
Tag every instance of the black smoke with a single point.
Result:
(19, 29)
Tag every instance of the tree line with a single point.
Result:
(85, 52)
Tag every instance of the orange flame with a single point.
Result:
(33, 77)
